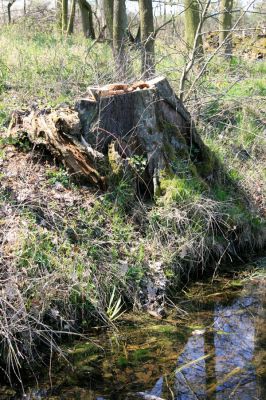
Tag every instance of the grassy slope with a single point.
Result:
(64, 248)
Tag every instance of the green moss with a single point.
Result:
(175, 145)
(122, 362)
(169, 151)
(140, 355)
(208, 165)
(83, 350)
(178, 189)
(115, 161)
(164, 329)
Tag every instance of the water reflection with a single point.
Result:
(234, 345)
(190, 381)
(234, 349)
(157, 390)
(216, 362)
(233, 376)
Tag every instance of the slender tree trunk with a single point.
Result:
(9, 5)
(9, 13)
(119, 35)
(108, 13)
(192, 20)
(225, 36)
(147, 37)
(3, 12)
(64, 15)
(87, 20)
(59, 14)
(70, 28)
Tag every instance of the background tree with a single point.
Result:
(147, 37)
(70, 27)
(225, 35)
(87, 19)
(58, 8)
(9, 5)
(192, 20)
(108, 13)
(119, 33)
(64, 14)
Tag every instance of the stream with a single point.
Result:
(213, 349)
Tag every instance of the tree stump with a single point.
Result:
(136, 131)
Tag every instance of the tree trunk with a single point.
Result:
(192, 20)
(9, 5)
(70, 28)
(108, 13)
(64, 15)
(119, 36)
(138, 132)
(225, 35)
(59, 14)
(87, 20)
(147, 37)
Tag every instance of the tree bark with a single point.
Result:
(145, 122)
(108, 13)
(59, 14)
(225, 20)
(87, 20)
(119, 36)
(192, 20)
(147, 37)
(70, 28)
(64, 15)
(9, 5)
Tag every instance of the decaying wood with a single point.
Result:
(126, 124)
(60, 132)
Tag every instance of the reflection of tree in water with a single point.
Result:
(216, 363)
(234, 349)
(190, 382)
(234, 342)
(260, 346)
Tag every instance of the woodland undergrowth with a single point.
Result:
(71, 256)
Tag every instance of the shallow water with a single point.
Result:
(215, 351)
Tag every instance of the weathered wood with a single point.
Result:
(60, 132)
(139, 131)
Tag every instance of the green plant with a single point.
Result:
(3, 74)
(58, 175)
(138, 163)
(115, 305)
(122, 193)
